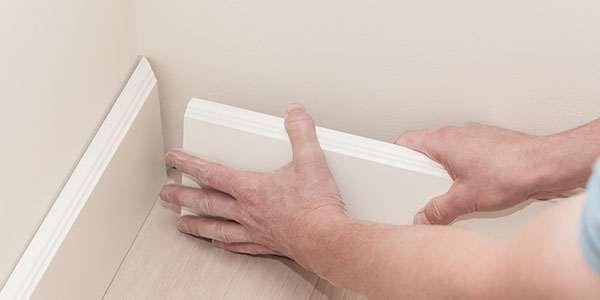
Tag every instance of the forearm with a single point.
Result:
(563, 161)
(439, 262)
(404, 262)
(383, 261)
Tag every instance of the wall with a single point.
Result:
(370, 68)
(62, 64)
(378, 68)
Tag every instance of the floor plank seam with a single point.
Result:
(130, 247)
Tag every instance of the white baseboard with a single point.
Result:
(89, 229)
(379, 181)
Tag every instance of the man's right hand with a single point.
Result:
(492, 169)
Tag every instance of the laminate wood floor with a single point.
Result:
(166, 264)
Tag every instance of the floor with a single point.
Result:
(166, 264)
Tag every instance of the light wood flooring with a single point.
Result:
(166, 264)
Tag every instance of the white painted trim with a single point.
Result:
(330, 140)
(48, 239)
(379, 181)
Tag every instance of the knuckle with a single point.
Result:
(446, 130)
(246, 189)
(200, 169)
(412, 139)
(205, 205)
(299, 119)
(222, 233)
(435, 214)
(450, 132)
(243, 193)
(216, 173)
(174, 195)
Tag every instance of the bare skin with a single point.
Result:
(495, 168)
(297, 211)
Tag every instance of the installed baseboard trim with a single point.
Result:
(379, 181)
(64, 218)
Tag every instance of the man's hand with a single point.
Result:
(262, 213)
(492, 168)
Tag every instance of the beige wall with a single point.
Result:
(376, 68)
(371, 68)
(62, 64)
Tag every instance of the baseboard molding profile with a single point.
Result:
(89, 229)
(379, 181)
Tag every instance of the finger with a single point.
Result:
(248, 248)
(220, 230)
(419, 140)
(211, 173)
(301, 130)
(210, 202)
(443, 209)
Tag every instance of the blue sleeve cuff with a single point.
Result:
(589, 222)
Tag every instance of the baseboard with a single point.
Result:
(83, 239)
(379, 181)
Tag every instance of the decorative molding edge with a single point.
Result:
(401, 180)
(330, 140)
(58, 222)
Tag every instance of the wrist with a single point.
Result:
(556, 164)
(314, 240)
(542, 162)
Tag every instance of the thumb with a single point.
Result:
(443, 209)
(301, 130)
(419, 140)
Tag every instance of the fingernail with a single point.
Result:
(294, 107)
(163, 193)
(182, 226)
(421, 219)
(170, 157)
(175, 156)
